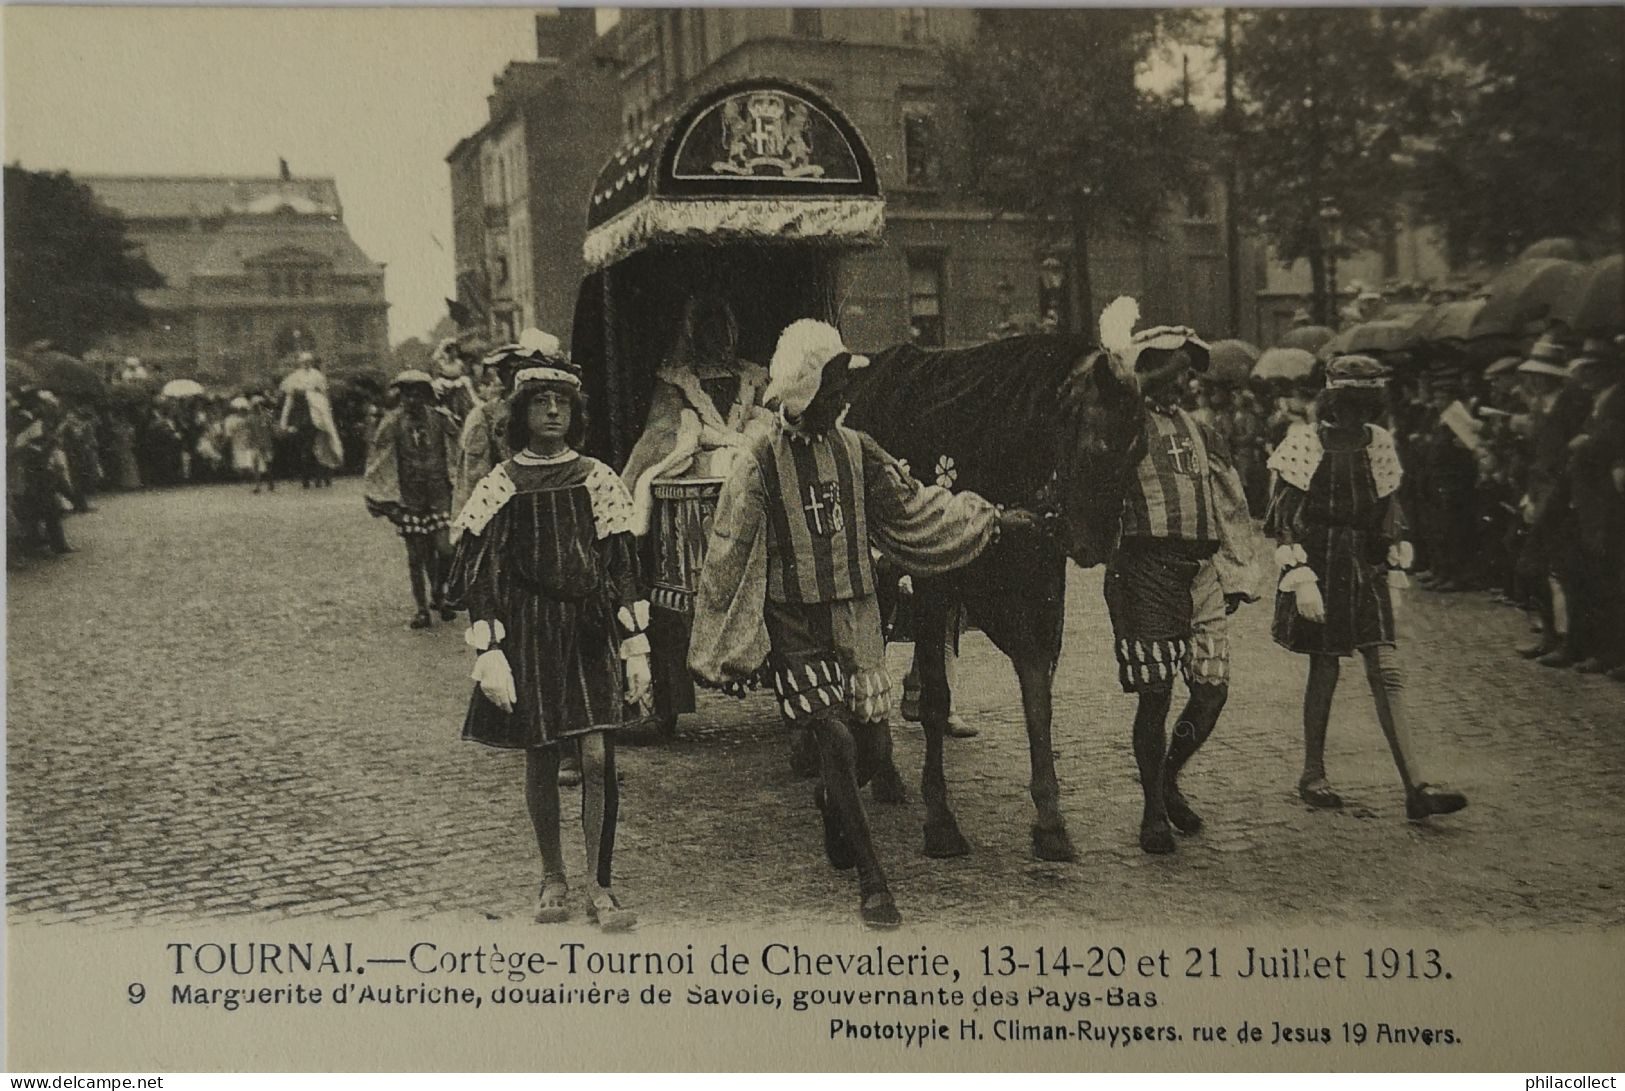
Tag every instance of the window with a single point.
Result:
(807, 22)
(914, 24)
(925, 300)
(1199, 200)
(920, 165)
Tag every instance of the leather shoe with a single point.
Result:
(959, 729)
(1537, 649)
(1427, 799)
(1558, 658)
(1590, 665)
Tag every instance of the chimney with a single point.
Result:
(561, 33)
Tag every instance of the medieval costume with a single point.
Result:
(789, 582)
(1170, 527)
(704, 399)
(408, 482)
(453, 389)
(308, 416)
(484, 442)
(1336, 518)
(546, 567)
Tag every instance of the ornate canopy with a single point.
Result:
(762, 159)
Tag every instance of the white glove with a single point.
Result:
(1310, 605)
(905, 584)
(638, 679)
(495, 678)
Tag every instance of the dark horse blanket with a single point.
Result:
(1037, 421)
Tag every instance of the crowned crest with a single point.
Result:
(765, 129)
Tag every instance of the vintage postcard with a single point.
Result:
(816, 538)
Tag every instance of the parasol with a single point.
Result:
(1308, 338)
(1451, 321)
(181, 388)
(1291, 364)
(1597, 304)
(1524, 292)
(59, 373)
(1384, 335)
(1231, 360)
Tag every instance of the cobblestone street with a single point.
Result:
(215, 709)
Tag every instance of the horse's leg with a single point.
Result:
(942, 836)
(1050, 839)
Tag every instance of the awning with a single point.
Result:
(762, 160)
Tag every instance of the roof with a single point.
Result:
(182, 197)
(242, 242)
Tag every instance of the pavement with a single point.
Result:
(216, 710)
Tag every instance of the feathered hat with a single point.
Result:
(1117, 336)
(806, 347)
(540, 359)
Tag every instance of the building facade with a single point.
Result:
(520, 183)
(254, 269)
(950, 272)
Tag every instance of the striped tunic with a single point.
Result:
(1169, 495)
(554, 563)
(817, 520)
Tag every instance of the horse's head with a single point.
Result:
(1102, 431)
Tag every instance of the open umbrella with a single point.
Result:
(181, 388)
(1308, 338)
(1291, 364)
(1231, 360)
(1566, 249)
(1384, 335)
(1524, 292)
(59, 373)
(1597, 304)
(1451, 321)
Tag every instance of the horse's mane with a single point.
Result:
(993, 409)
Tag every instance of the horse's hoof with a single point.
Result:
(1185, 819)
(1053, 844)
(888, 787)
(944, 841)
(1157, 838)
(837, 849)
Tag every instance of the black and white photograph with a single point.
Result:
(612, 479)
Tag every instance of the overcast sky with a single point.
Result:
(372, 98)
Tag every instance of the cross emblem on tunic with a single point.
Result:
(823, 508)
(1181, 451)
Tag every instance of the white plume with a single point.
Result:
(1117, 325)
(534, 341)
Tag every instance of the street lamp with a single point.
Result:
(1331, 220)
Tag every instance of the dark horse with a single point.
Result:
(1042, 422)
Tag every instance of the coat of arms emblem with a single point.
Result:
(765, 129)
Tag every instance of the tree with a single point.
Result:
(1050, 122)
(71, 273)
(1525, 116)
(1325, 101)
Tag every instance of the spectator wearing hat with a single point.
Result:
(1597, 477)
(1341, 549)
(1450, 484)
(408, 482)
(1548, 423)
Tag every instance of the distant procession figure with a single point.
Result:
(546, 566)
(1340, 548)
(408, 482)
(307, 415)
(453, 388)
(484, 438)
